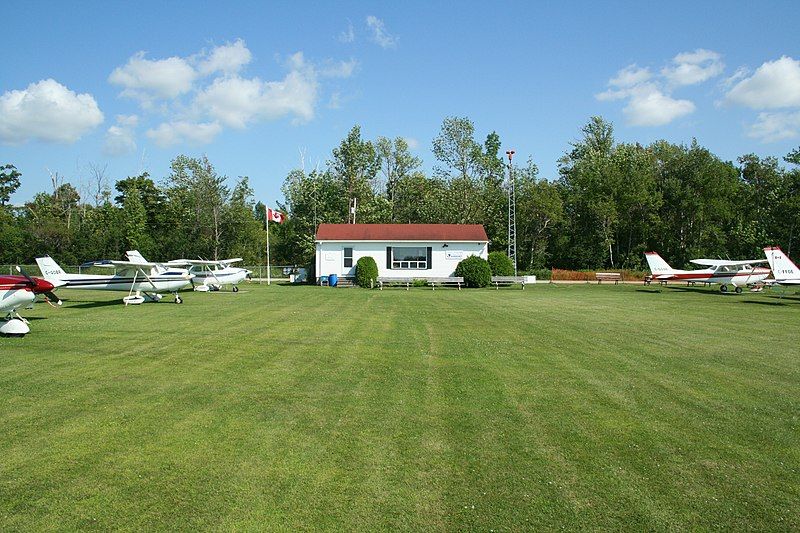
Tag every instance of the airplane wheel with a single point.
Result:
(738, 290)
(723, 288)
(178, 300)
(235, 288)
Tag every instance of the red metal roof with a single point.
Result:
(402, 232)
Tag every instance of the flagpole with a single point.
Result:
(269, 278)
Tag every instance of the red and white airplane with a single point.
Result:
(736, 273)
(784, 270)
(20, 291)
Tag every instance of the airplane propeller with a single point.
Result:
(49, 296)
(31, 281)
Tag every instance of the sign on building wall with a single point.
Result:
(454, 256)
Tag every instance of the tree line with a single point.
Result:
(610, 203)
(191, 213)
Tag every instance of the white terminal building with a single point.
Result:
(400, 250)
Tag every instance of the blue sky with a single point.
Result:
(252, 84)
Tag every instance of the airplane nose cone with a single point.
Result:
(43, 286)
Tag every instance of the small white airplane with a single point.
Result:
(20, 291)
(722, 271)
(784, 270)
(207, 275)
(148, 279)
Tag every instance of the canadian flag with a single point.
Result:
(275, 216)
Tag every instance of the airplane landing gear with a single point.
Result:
(178, 299)
(738, 290)
(235, 288)
(723, 288)
(13, 327)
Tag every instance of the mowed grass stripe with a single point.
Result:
(301, 407)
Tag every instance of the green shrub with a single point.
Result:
(500, 264)
(475, 271)
(420, 283)
(366, 272)
(541, 273)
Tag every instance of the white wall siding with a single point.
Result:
(330, 257)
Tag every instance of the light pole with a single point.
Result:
(512, 213)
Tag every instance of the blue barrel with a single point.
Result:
(333, 279)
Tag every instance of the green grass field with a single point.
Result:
(571, 406)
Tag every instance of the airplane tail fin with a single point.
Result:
(135, 257)
(49, 268)
(657, 264)
(782, 267)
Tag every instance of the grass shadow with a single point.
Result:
(702, 290)
(92, 305)
(763, 302)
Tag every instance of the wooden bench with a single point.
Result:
(507, 281)
(408, 282)
(445, 282)
(616, 277)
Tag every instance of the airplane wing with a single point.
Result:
(202, 262)
(177, 262)
(725, 262)
(122, 264)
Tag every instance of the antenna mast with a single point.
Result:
(512, 213)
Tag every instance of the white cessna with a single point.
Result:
(207, 274)
(737, 273)
(213, 275)
(141, 278)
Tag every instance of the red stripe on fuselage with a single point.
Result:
(10, 287)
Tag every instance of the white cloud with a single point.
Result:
(340, 69)
(227, 59)
(335, 101)
(379, 34)
(630, 76)
(649, 100)
(47, 111)
(774, 84)
(348, 35)
(237, 101)
(203, 93)
(412, 143)
(146, 79)
(740, 73)
(177, 132)
(121, 138)
(612, 94)
(690, 68)
(773, 127)
(648, 106)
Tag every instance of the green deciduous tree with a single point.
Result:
(9, 182)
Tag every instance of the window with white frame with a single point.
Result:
(409, 258)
